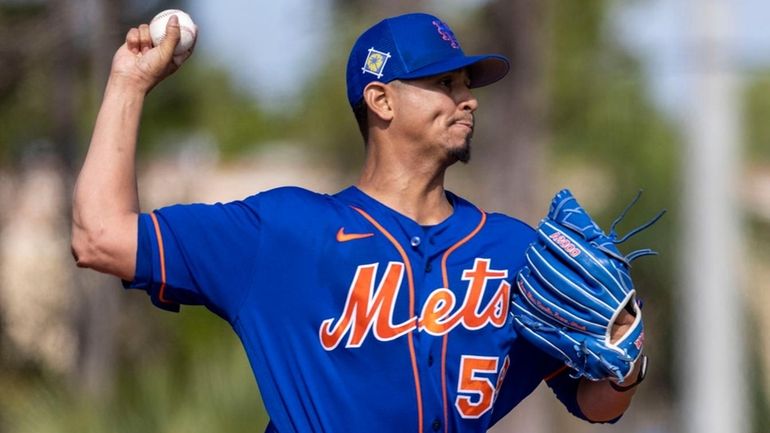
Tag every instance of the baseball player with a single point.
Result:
(382, 308)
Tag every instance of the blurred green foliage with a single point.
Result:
(757, 235)
(24, 82)
(194, 376)
(194, 380)
(757, 112)
(601, 117)
(758, 397)
(205, 101)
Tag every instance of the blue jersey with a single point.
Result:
(354, 317)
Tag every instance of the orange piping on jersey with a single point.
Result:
(558, 371)
(445, 279)
(162, 260)
(409, 337)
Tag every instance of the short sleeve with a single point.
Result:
(529, 367)
(202, 254)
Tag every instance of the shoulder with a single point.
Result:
(496, 224)
(284, 196)
(516, 234)
(500, 227)
(271, 205)
(282, 200)
(502, 222)
(287, 195)
(287, 200)
(295, 207)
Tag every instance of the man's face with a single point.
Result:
(436, 113)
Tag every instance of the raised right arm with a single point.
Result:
(105, 204)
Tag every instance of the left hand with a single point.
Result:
(621, 326)
(576, 299)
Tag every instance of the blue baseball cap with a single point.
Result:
(414, 46)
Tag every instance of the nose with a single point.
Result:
(468, 101)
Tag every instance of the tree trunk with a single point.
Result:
(95, 313)
(512, 152)
(513, 116)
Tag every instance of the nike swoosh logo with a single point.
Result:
(344, 237)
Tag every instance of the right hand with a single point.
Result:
(137, 63)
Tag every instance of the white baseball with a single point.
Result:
(186, 25)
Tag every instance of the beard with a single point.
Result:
(462, 153)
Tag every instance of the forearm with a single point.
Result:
(108, 175)
(105, 203)
(599, 401)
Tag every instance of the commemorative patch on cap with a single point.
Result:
(375, 62)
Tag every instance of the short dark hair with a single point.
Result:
(361, 111)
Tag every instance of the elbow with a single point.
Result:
(107, 246)
(82, 238)
(90, 245)
(84, 247)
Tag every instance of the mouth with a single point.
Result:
(466, 123)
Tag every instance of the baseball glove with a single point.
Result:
(573, 288)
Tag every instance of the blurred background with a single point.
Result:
(604, 97)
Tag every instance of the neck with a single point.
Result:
(410, 185)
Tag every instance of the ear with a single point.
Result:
(378, 97)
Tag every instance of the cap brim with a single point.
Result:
(482, 70)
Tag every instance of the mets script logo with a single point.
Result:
(446, 33)
(369, 309)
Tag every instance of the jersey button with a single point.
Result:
(430, 360)
(428, 267)
(415, 241)
(436, 424)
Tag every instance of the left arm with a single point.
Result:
(598, 400)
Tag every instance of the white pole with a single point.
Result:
(711, 347)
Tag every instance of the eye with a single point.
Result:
(446, 82)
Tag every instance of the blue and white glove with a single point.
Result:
(573, 288)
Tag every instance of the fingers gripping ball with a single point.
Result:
(572, 290)
(188, 30)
